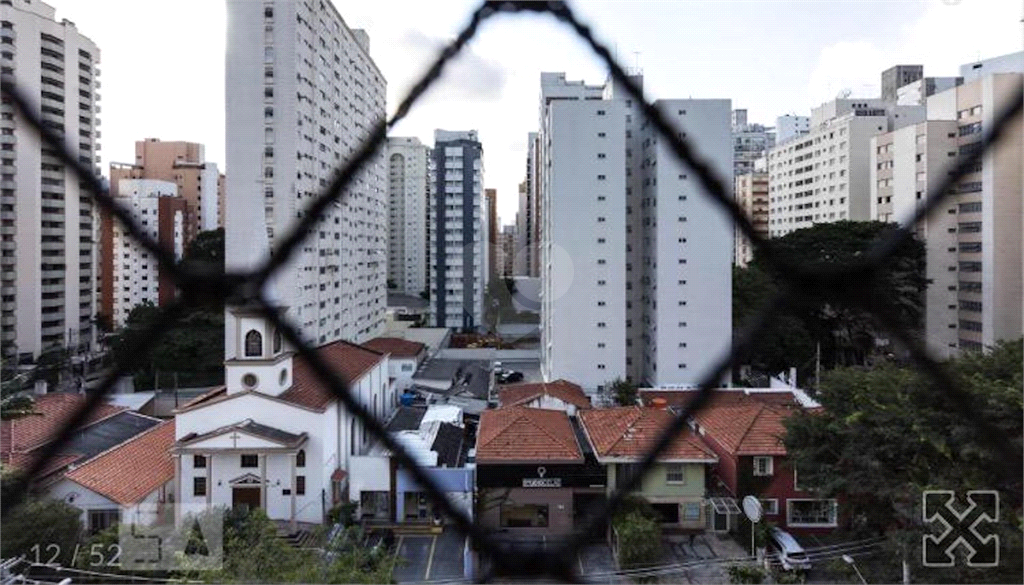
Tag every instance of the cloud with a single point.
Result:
(948, 34)
(468, 77)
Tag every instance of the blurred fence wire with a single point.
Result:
(198, 286)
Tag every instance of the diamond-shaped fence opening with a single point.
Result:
(199, 287)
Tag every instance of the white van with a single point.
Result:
(791, 554)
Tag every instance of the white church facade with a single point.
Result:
(274, 437)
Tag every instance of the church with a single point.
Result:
(274, 437)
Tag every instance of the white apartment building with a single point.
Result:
(48, 226)
(409, 189)
(1009, 63)
(916, 93)
(791, 126)
(685, 273)
(135, 276)
(973, 241)
(635, 263)
(458, 218)
(824, 176)
(583, 233)
(302, 95)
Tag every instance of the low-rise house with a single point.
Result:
(558, 395)
(745, 429)
(437, 438)
(535, 472)
(404, 358)
(24, 439)
(131, 482)
(275, 437)
(675, 484)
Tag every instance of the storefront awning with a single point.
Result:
(724, 505)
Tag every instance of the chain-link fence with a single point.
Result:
(846, 284)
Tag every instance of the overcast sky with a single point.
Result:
(162, 61)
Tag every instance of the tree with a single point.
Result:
(888, 434)
(624, 392)
(638, 540)
(208, 247)
(829, 315)
(41, 529)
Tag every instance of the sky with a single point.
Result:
(162, 61)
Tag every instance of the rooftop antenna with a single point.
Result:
(636, 60)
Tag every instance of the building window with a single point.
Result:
(300, 458)
(770, 507)
(675, 473)
(199, 461)
(249, 460)
(100, 520)
(810, 513)
(524, 515)
(691, 511)
(198, 486)
(300, 485)
(763, 466)
(253, 344)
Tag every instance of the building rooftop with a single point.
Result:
(515, 394)
(250, 427)
(520, 434)
(399, 348)
(52, 412)
(629, 432)
(130, 471)
(748, 427)
(349, 360)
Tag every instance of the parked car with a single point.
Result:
(791, 555)
(509, 377)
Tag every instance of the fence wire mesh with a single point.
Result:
(844, 284)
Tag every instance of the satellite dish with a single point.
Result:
(752, 508)
(845, 93)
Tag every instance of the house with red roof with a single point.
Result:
(130, 481)
(675, 484)
(535, 472)
(744, 427)
(558, 395)
(275, 437)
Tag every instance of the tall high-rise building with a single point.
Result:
(459, 230)
(1010, 63)
(751, 194)
(409, 189)
(199, 181)
(506, 251)
(528, 223)
(635, 259)
(973, 241)
(896, 77)
(491, 195)
(750, 142)
(129, 273)
(48, 228)
(303, 94)
(791, 126)
(824, 176)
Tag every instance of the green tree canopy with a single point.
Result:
(889, 433)
(828, 314)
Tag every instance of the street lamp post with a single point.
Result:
(849, 561)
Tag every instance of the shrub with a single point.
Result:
(745, 574)
(638, 540)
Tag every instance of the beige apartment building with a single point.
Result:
(199, 182)
(751, 194)
(973, 240)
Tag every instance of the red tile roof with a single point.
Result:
(399, 348)
(348, 360)
(681, 398)
(54, 410)
(630, 431)
(520, 434)
(745, 428)
(129, 472)
(567, 392)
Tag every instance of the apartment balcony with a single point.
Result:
(8, 139)
(8, 184)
